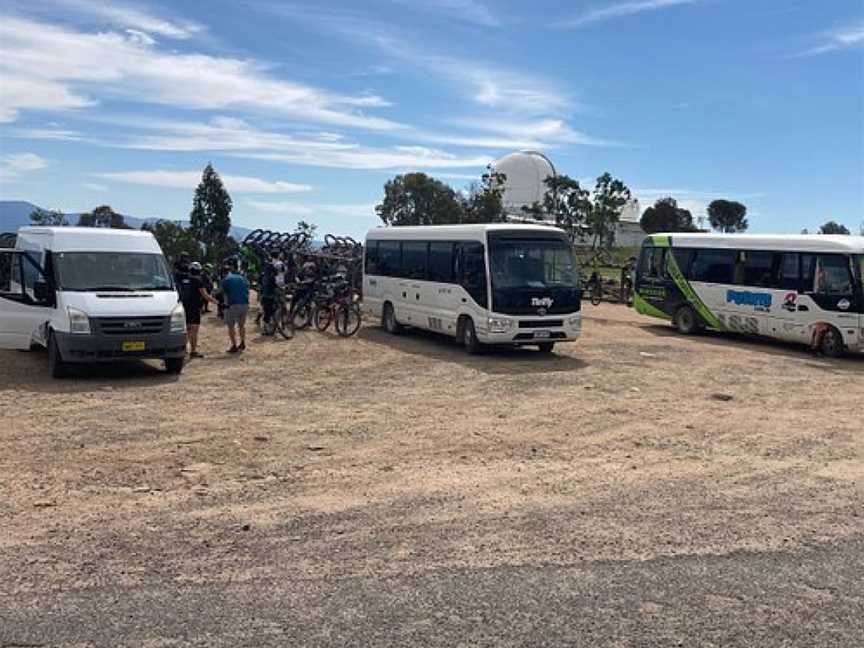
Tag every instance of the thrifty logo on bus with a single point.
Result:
(759, 301)
(545, 302)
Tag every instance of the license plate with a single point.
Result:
(134, 346)
(542, 334)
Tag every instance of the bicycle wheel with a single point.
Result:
(284, 322)
(596, 294)
(301, 315)
(323, 317)
(348, 320)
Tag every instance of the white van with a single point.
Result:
(90, 295)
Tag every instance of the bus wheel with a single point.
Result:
(469, 337)
(174, 366)
(388, 319)
(686, 321)
(546, 347)
(831, 345)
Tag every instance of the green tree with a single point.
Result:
(534, 210)
(309, 230)
(48, 218)
(102, 216)
(728, 216)
(210, 220)
(666, 216)
(417, 199)
(567, 202)
(174, 239)
(484, 203)
(610, 197)
(832, 227)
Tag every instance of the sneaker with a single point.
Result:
(242, 346)
(233, 349)
(195, 354)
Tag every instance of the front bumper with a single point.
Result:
(98, 347)
(534, 330)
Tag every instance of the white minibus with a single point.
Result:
(482, 284)
(798, 288)
(90, 295)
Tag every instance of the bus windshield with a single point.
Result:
(532, 263)
(860, 265)
(111, 271)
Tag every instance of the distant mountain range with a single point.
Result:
(16, 213)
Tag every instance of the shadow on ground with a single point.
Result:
(504, 360)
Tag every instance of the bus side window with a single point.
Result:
(372, 257)
(831, 275)
(471, 270)
(789, 273)
(714, 266)
(414, 255)
(755, 269)
(440, 261)
(683, 257)
(389, 258)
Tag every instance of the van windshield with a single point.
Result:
(111, 271)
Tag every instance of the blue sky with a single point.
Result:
(307, 109)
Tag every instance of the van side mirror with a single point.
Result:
(42, 292)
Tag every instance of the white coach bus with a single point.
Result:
(482, 284)
(781, 287)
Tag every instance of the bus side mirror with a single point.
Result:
(42, 292)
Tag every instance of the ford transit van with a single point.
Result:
(90, 295)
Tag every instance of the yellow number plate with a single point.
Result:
(133, 346)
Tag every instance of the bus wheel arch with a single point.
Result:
(388, 319)
(686, 320)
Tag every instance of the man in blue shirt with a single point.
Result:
(235, 289)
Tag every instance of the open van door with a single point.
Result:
(26, 298)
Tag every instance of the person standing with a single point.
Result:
(235, 290)
(192, 295)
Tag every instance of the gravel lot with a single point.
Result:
(636, 488)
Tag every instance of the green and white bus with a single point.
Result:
(781, 287)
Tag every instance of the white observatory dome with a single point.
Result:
(526, 172)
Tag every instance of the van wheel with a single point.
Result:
(56, 367)
(174, 366)
(546, 347)
(686, 321)
(388, 320)
(832, 345)
(469, 337)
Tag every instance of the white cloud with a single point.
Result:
(841, 38)
(522, 134)
(237, 137)
(471, 11)
(623, 9)
(488, 85)
(190, 179)
(14, 165)
(51, 67)
(136, 19)
(50, 133)
(307, 210)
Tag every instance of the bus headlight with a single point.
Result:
(79, 323)
(499, 325)
(575, 322)
(178, 319)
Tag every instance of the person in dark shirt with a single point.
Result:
(268, 290)
(192, 293)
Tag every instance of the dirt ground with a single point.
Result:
(134, 505)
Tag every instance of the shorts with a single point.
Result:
(193, 316)
(236, 313)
